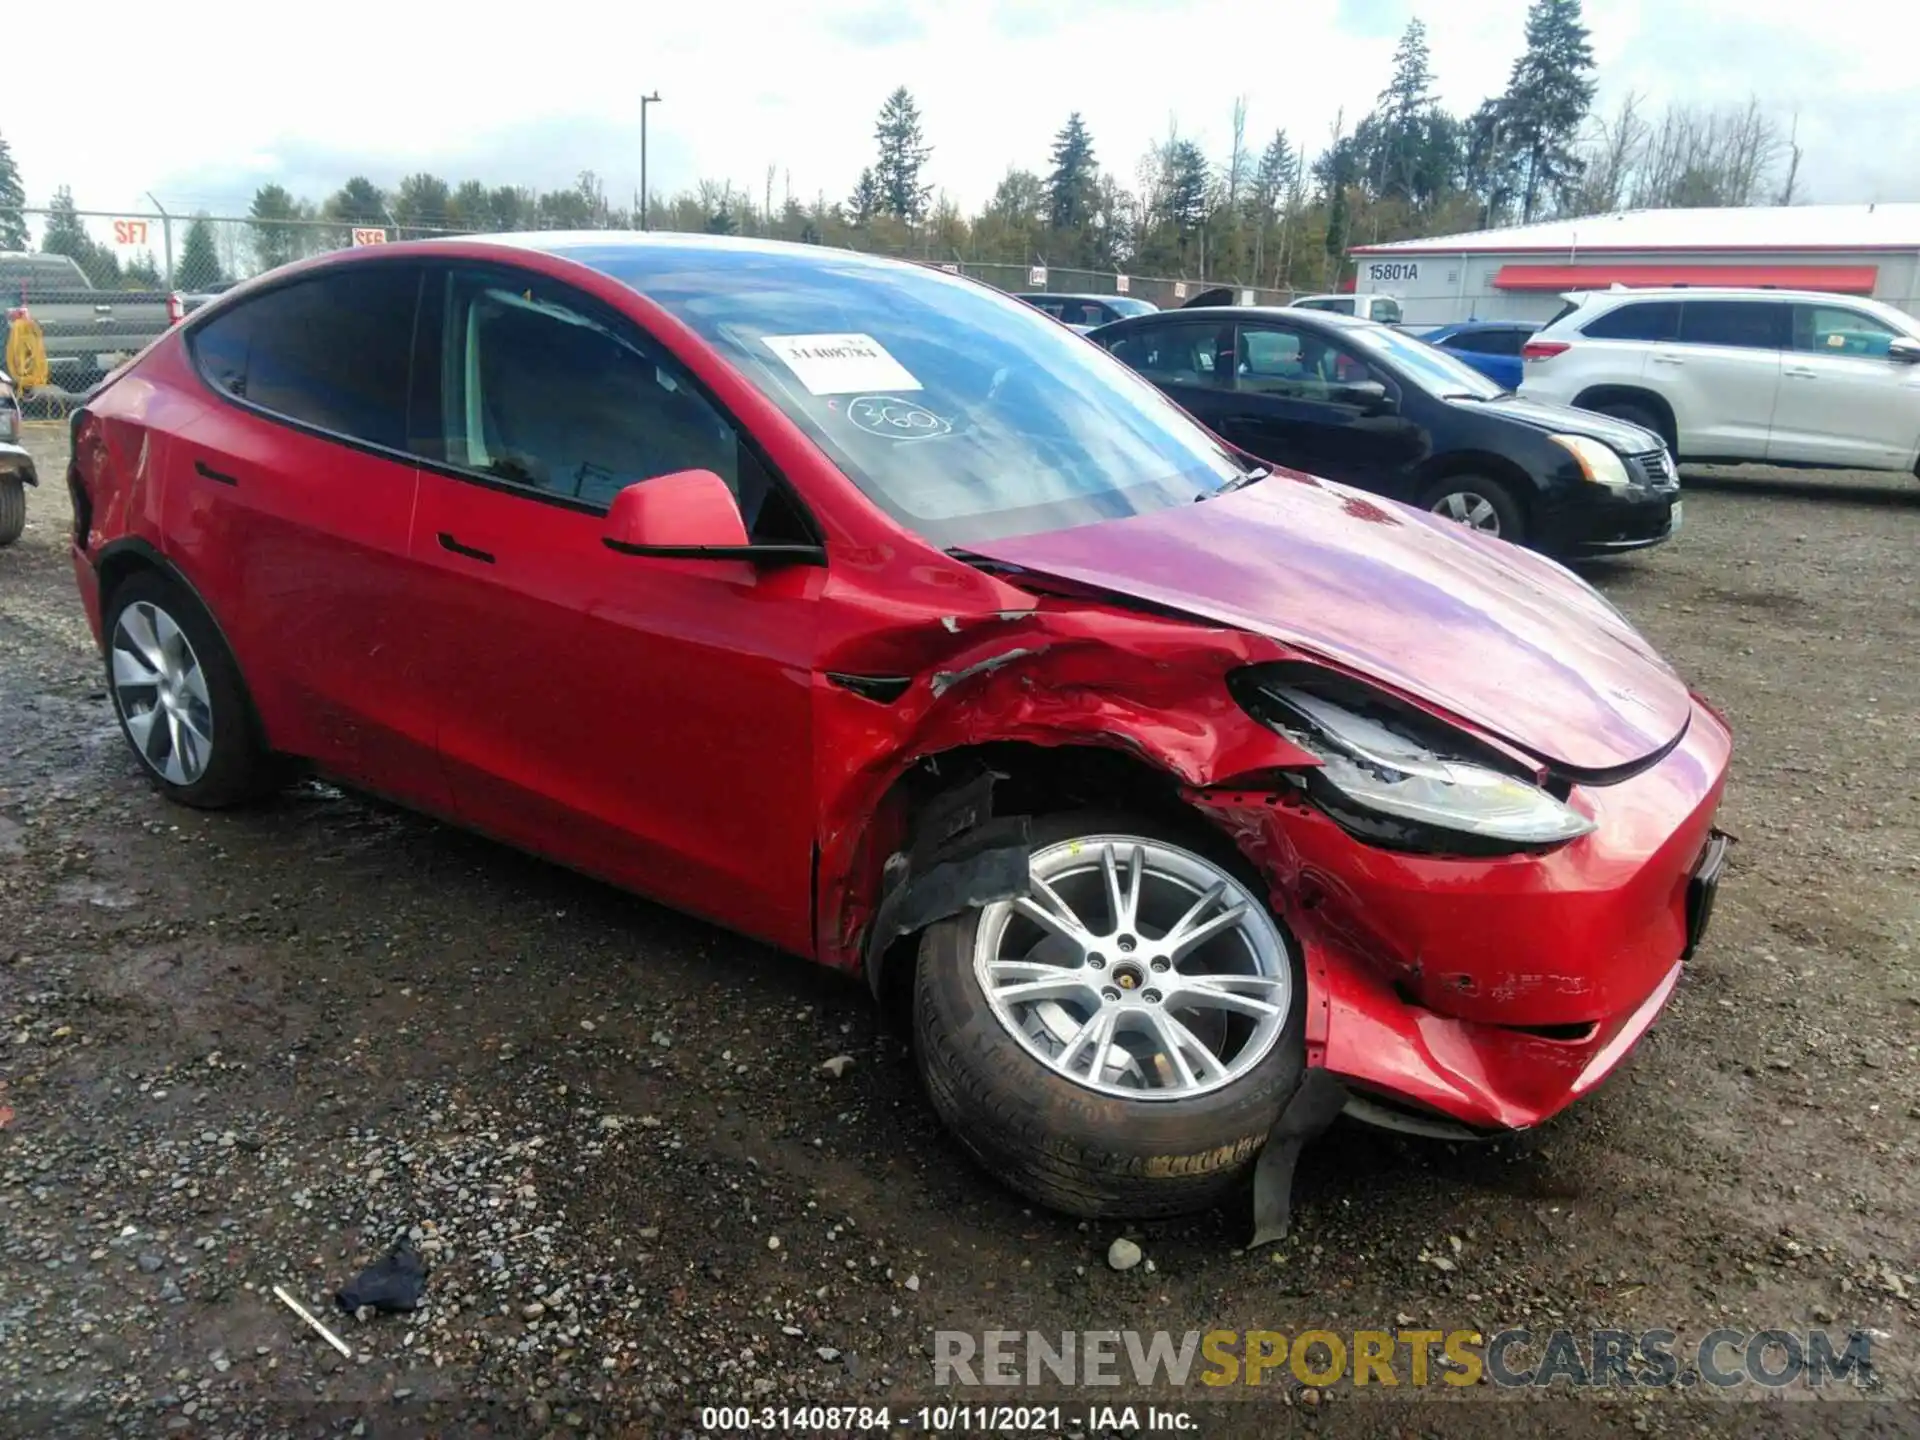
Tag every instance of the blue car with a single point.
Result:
(1490, 346)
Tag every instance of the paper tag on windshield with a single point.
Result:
(840, 364)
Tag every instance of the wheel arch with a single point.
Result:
(120, 560)
(983, 784)
(1594, 396)
(1521, 485)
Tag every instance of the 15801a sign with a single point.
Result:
(1378, 270)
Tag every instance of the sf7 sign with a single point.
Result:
(369, 235)
(129, 232)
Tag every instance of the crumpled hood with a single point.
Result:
(1492, 633)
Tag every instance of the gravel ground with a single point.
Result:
(255, 1049)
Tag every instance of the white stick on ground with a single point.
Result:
(307, 1315)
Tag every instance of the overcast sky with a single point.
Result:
(532, 94)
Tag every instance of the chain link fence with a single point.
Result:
(100, 285)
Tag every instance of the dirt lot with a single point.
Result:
(253, 1049)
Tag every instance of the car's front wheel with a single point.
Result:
(1120, 1041)
(179, 696)
(1479, 504)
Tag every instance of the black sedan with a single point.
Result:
(1359, 402)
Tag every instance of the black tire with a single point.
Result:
(13, 509)
(1072, 1148)
(241, 767)
(1512, 517)
(1639, 415)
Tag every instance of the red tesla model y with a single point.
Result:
(873, 614)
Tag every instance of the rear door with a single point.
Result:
(1191, 360)
(288, 501)
(1722, 375)
(1843, 401)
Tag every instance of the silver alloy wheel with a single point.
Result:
(161, 693)
(1471, 509)
(1136, 968)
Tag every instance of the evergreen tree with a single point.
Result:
(422, 202)
(866, 200)
(472, 207)
(1546, 102)
(199, 266)
(1403, 111)
(13, 200)
(1184, 193)
(275, 240)
(903, 154)
(1073, 189)
(66, 233)
(1272, 179)
(143, 274)
(358, 202)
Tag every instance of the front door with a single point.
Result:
(1843, 400)
(644, 719)
(1305, 401)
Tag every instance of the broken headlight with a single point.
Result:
(1395, 776)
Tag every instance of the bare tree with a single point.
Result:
(1239, 161)
(1612, 155)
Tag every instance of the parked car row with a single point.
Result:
(866, 612)
(1362, 403)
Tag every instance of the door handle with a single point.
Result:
(448, 543)
(207, 472)
(1668, 360)
(1802, 374)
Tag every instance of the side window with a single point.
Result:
(1836, 330)
(1386, 310)
(1177, 354)
(1496, 342)
(541, 388)
(1740, 324)
(1298, 365)
(331, 352)
(1472, 341)
(1641, 320)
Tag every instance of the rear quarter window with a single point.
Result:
(331, 352)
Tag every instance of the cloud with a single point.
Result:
(504, 94)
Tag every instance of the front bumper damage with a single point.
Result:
(1473, 996)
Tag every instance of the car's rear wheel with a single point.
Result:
(13, 509)
(179, 696)
(1477, 503)
(1120, 1041)
(1639, 415)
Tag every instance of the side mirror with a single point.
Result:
(1369, 395)
(690, 515)
(1906, 351)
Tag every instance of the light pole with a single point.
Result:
(645, 100)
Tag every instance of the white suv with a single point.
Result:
(1369, 306)
(1787, 377)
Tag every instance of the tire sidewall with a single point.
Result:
(237, 753)
(1188, 1150)
(13, 508)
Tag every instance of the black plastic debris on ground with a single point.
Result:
(391, 1285)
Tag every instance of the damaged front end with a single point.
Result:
(1484, 934)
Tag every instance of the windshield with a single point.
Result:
(965, 414)
(1434, 371)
